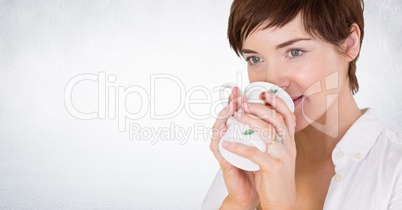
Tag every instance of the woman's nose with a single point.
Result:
(277, 76)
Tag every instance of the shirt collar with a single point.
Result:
(361, 136)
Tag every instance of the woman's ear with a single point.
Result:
(351, 46)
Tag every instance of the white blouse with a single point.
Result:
(368, 167)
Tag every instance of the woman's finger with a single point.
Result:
(276, 129)
(281, 107)
(219, 128)
(273, 134)
(214, 145)
(266, 131)
(234, 94)
(252, 153)
(260, 111)
(220, 124)
(264, 112)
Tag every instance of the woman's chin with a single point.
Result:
(301, 123)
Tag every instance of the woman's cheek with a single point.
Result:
(256, 76)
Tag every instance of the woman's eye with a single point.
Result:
(295, 53)
(253, 59)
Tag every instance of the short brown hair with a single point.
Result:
(330, 20)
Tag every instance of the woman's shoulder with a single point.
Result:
(390, 142)
(369, 139)
(394, 136)
(371, 131)
(385, 155)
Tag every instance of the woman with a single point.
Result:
(333, 155)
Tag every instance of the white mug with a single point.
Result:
(241, 133)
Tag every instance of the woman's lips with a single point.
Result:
(297, 100)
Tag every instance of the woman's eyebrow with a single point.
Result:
(248, 51)
(285, 44)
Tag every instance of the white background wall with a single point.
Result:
(50, 159)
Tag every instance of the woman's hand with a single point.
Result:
(240, 184)
(275, 181)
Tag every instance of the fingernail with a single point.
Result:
(262, 96)
(244, 102)
(270, 94)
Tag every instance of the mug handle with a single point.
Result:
(229, 85)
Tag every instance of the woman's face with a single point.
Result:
(310, 70)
